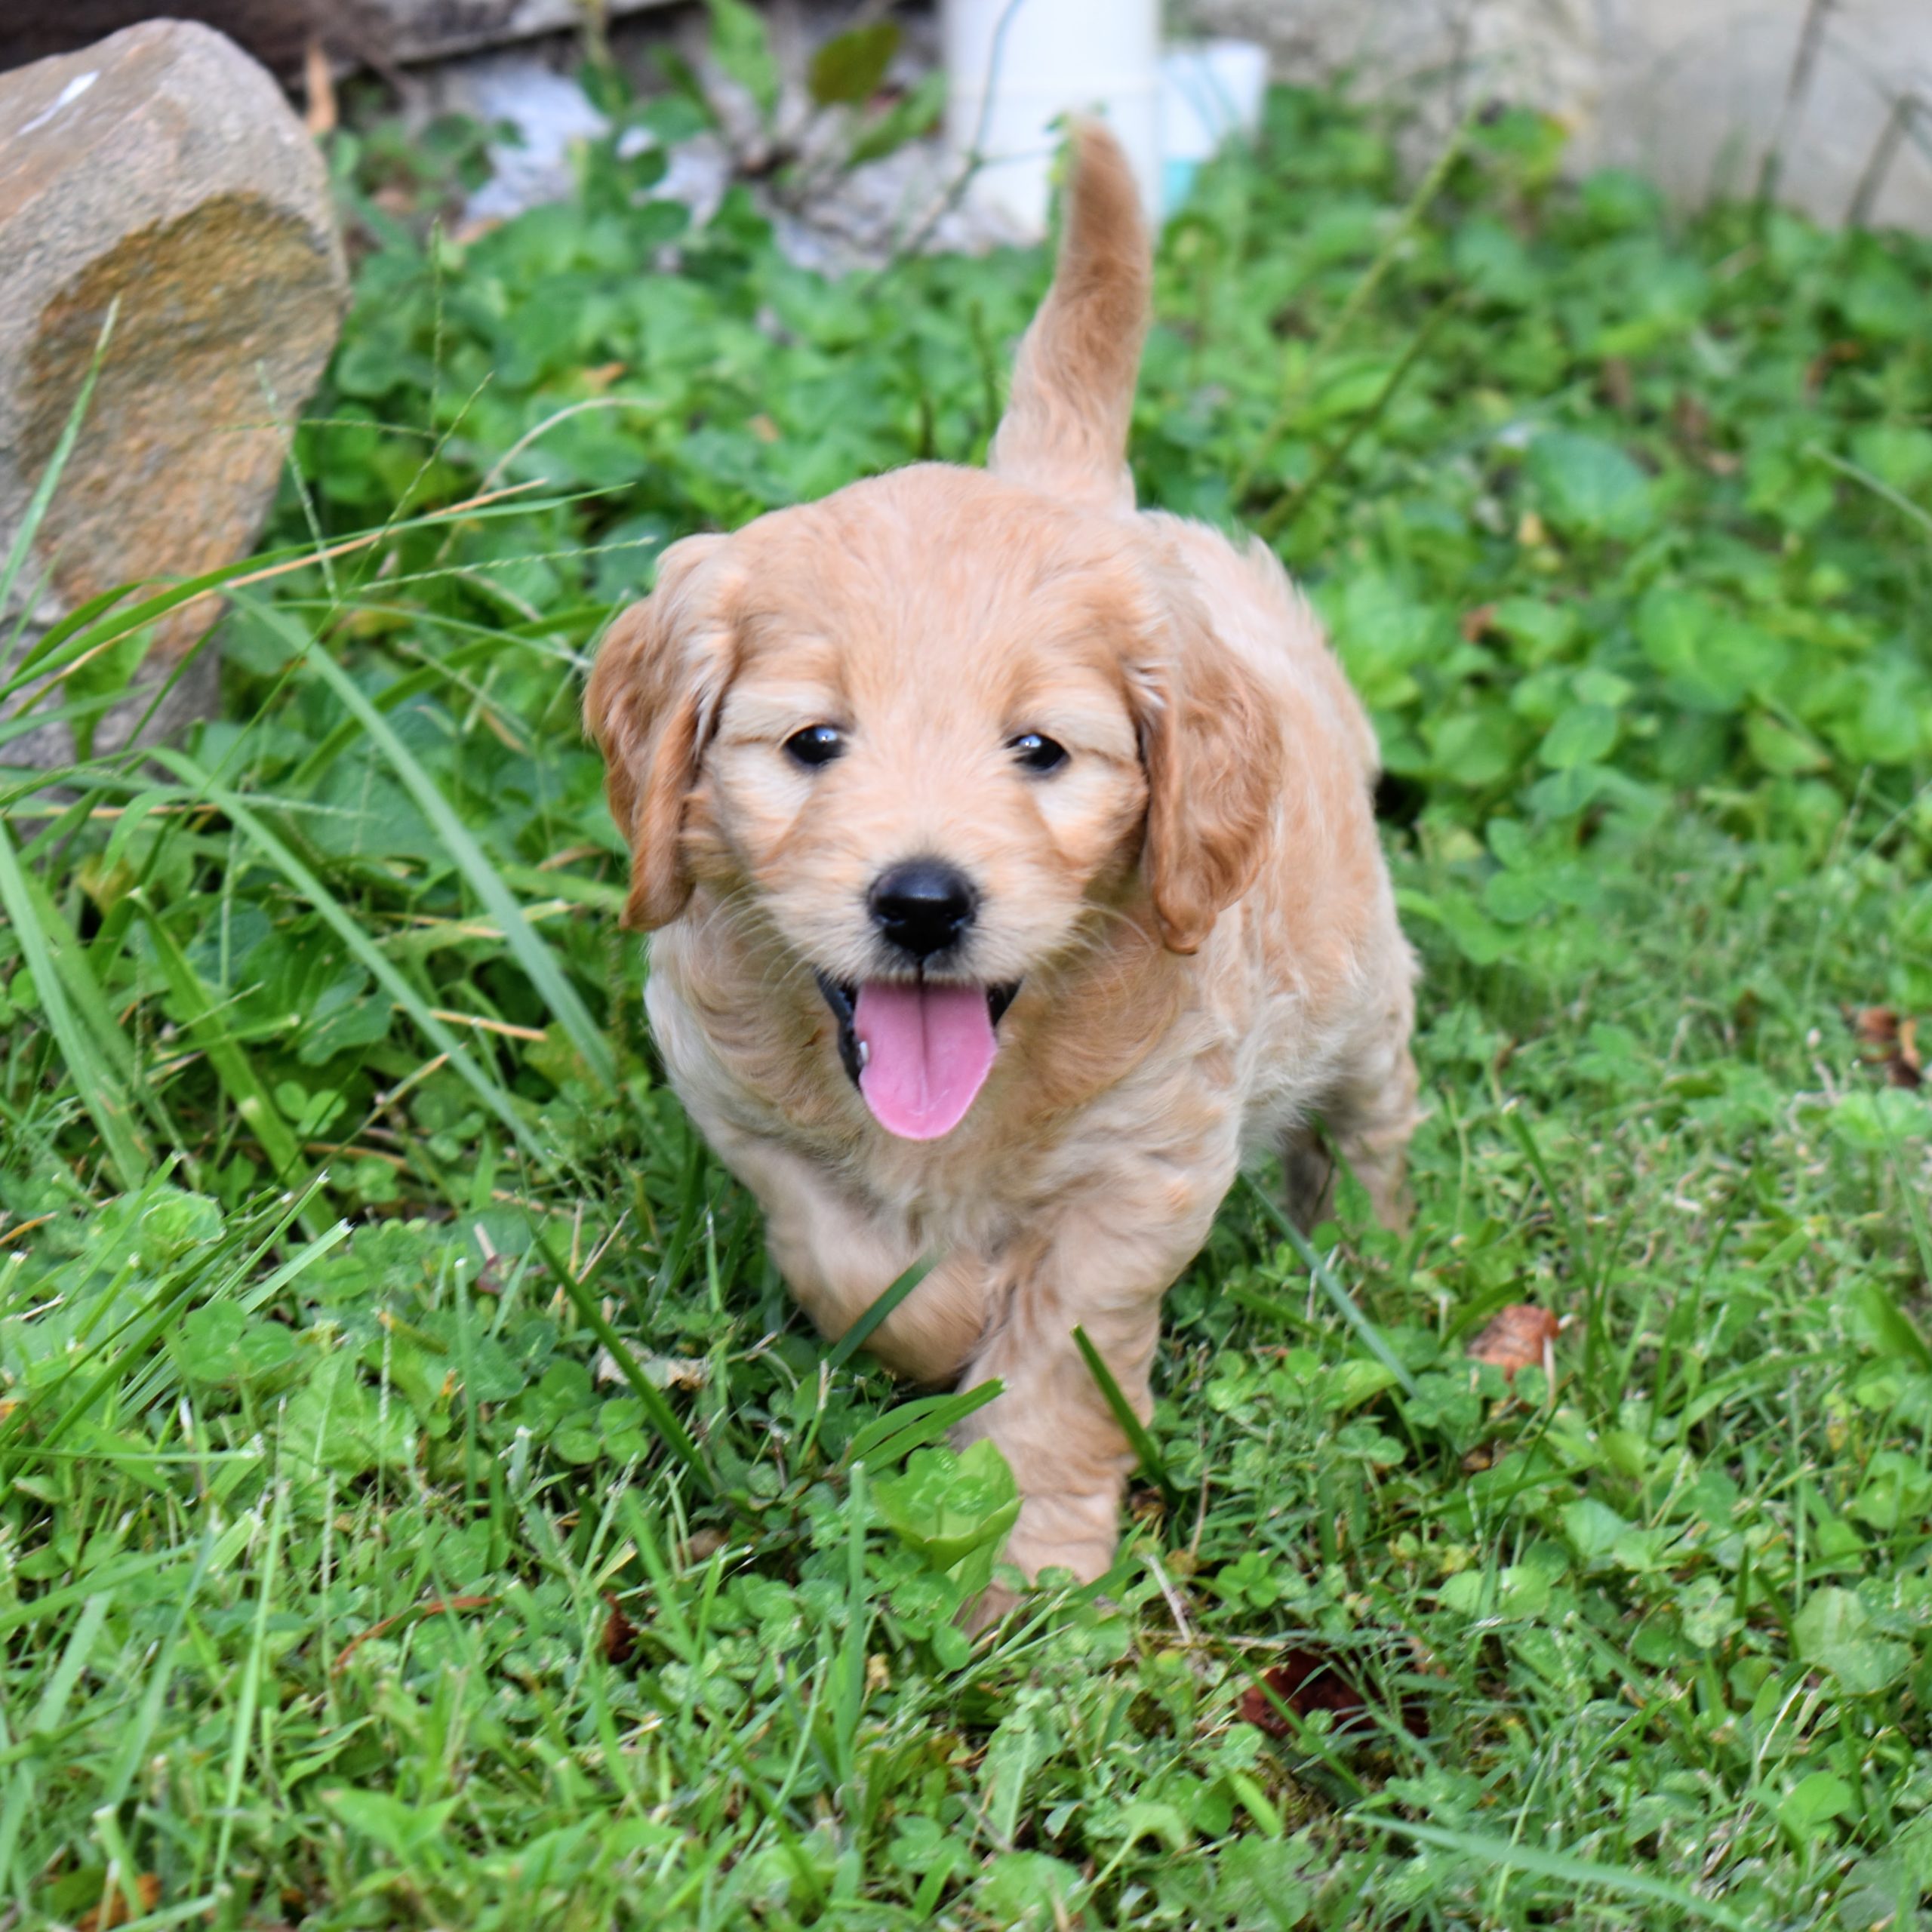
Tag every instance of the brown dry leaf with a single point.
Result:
(1876, 1025)
(1904, 1068)
(1827, 360)
(660, 1371)
(1890, 1043)
(596, 381)
(436, 1607)
(113, 1909)
(1306, 1682)
(1475, 624)
(620, 1633)
(704, 1544)
(1521, 1336)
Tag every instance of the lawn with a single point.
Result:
(423, 1506)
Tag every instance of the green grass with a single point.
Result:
(422, 1504)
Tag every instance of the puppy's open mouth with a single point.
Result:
(918, 1050)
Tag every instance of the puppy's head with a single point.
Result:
(933, 734)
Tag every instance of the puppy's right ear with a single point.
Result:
(652, 700)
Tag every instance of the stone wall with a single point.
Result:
(1696, 93)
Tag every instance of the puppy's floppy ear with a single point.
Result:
(1212, 743)
(652, 700)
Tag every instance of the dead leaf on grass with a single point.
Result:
(113, 1909)
(620, 1633)
(660, 1371)
(436, 1607)
(704, 1544)
(1890, 1043)
(1307, 1680)
(1521, 1336)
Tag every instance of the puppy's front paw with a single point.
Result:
(1058, 1532)
(994, 1604)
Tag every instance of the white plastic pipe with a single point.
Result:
(1015, 66)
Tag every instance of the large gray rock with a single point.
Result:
(162, 169)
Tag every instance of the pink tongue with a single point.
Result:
(927, 1051)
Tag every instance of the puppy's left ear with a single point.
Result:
(1212, 742)
(653, 698)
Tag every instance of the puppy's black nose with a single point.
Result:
(922, 907)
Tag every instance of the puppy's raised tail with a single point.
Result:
(1065, 428)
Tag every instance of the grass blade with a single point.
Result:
(855, 1337)
(59, 1687)
(50, 481)
(252, 1673)
(1373, 1338)
(133, 1747)
(662, 1418)
(531, 952)
(1153, 1465)
(99, 1085)
(887, 1439)
(358, 942)
(1501, 1855)
(232, 1065)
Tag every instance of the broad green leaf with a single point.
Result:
(949, 1508)
(742, 47)
(1588, 487)
(1834, 1631)
(847, 70)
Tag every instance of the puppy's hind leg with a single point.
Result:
(1372, 1111)
(1308, 1170)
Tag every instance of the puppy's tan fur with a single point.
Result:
(1195, 906)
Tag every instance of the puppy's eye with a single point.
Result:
(816, 744)
(1037, 754)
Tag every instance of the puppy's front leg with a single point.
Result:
(1103, 1266)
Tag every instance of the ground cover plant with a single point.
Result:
(423, 1506)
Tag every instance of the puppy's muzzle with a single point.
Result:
(923, 907)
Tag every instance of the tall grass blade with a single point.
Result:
(252, 1674)
(101, 1090)
(661, 1417)
(889, 1438)
(232, 1065)
(84, 633)
(1346, 1304)
(59, 1687)
(1153, 1465)
(531, 952)
(856, 1337)
(133, 1747)
(1500, 1854)
(50, 481)
(367, 952)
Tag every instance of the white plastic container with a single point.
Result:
(1016, 65)
(1211, 90)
